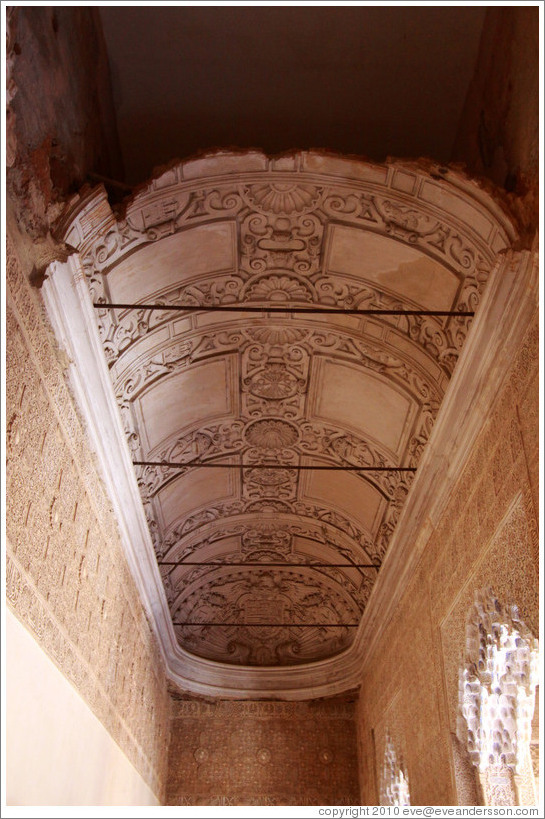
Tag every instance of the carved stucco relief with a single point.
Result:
(291, 397)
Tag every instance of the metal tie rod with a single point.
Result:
(298, 467)
(219, 308)
(267, 565)
(272, 625)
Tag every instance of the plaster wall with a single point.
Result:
(486, 536)
(51, 731)
(67, 579)
(263, 753)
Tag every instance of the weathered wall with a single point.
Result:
(60, 117)
(487, 536)
(263, 753)
(67, 578)
(498, 134)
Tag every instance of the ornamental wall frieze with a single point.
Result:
(224, 709)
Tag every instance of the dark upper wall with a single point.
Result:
(373, 81)
(498, 135)
(62, 122)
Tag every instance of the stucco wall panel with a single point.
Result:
(263, 753)
(487, 536)
(66, 575)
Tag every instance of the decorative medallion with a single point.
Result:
(275, 383)
(269, 477)
(271, 434)
(264, 756)
(257, 539)
(200, 755)
(325, 756)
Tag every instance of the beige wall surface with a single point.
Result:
(263, 753)
(487, 537)
(67, 579)
(51, 732)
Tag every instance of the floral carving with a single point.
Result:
(279, 288)
(274, 382)
(269, 477)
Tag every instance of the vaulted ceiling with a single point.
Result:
(279, 336)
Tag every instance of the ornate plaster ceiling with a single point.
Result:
(273, 448)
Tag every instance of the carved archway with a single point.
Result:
(394, 782)
(497, 697)
(263, 393)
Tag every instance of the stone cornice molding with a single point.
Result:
(506, 308)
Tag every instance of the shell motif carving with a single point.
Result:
(271, 434)
(283, 197)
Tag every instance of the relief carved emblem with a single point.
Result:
(274, 382)
(283, 197)
(271, 434)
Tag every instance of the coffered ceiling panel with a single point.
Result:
(177, 260)
(362, 401)
(344, 492)
(394, 267)
(197, 394)
(279, 336)
(193, 491)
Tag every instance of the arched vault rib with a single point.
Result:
(283, 393)
(324, 527)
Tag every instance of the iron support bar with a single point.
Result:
(273, 625)
(298, 467)
(218, 308)
(281, 565)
